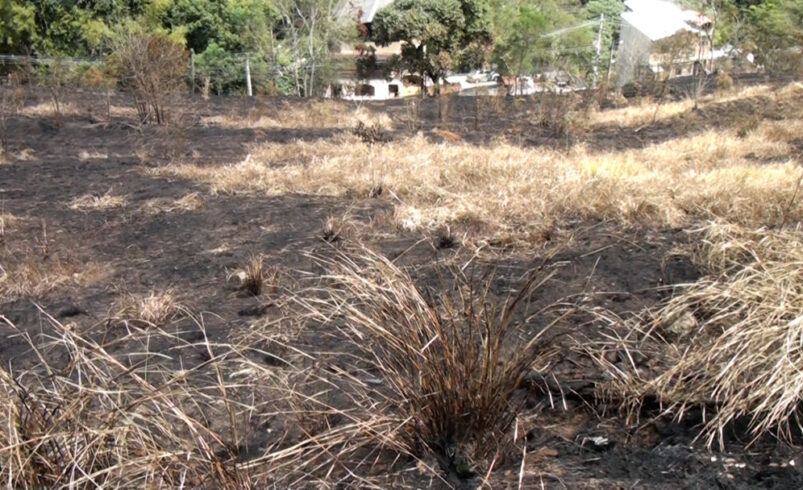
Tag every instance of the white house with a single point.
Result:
(651, 29)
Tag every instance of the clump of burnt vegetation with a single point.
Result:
(447, 361)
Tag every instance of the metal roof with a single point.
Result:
(656, 19)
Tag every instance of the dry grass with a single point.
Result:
(95, 421)
(33, 278)
(252, 275)
(646, 110)
(641, 113)
(84, 417)
(520, 195)
(738, 334)
(26, 155)
(98, 202)
(336, 229)
(47, 109)
(447, 361)
(7, 223)
(85, 156)
(314, 114)
(152, 309)
(189, 202)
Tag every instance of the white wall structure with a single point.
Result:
(374, 89)
(646, 22)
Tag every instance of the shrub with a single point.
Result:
(631, 89)
(152, 68)
(724, 82)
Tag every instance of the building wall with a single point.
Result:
(634, 53)
(374, 89)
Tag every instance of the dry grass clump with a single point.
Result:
(91, 420)
(85, 156)
(288, 115)
(518, 195)
(7, 222)
(741, 348)
(252, 276)
(154, 308)
(26, 155)
(98, 202)
(643, 112)
(47, 109)
(336, 229)
(189, 202)
(33, 278)
(372, 128)
(256, 278)
(445, 363)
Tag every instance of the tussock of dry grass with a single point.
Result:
(517, 194)
(85, 156)
(448, 361)
(189, 202)
(32, 278)
(252, 275)
(26, 155)
(313, 114)
(740, 344)
(154, 308)
(95, 202)
(94, 421)
(47, 109)
(7, 223)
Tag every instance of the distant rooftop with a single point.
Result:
(367, 9)
(658, 19)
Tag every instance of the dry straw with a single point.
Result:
(508, 194)
(736, 335)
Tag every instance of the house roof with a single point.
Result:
(656, 19)
(367, 9)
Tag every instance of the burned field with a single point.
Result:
(460, 293)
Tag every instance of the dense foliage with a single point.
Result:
(437, 35)
(291, 44)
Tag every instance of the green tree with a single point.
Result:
(436, 35)
(526, 38)
(775, 32)
(17, 25)
(307, 37)
(520, 45)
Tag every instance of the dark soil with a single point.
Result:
(579, 442)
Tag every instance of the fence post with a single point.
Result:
(192, 71)
(248, 76)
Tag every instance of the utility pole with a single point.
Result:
(248, 77)
(598, 46)
(610, 63)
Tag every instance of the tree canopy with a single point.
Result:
(293, 43)
(437, 35)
